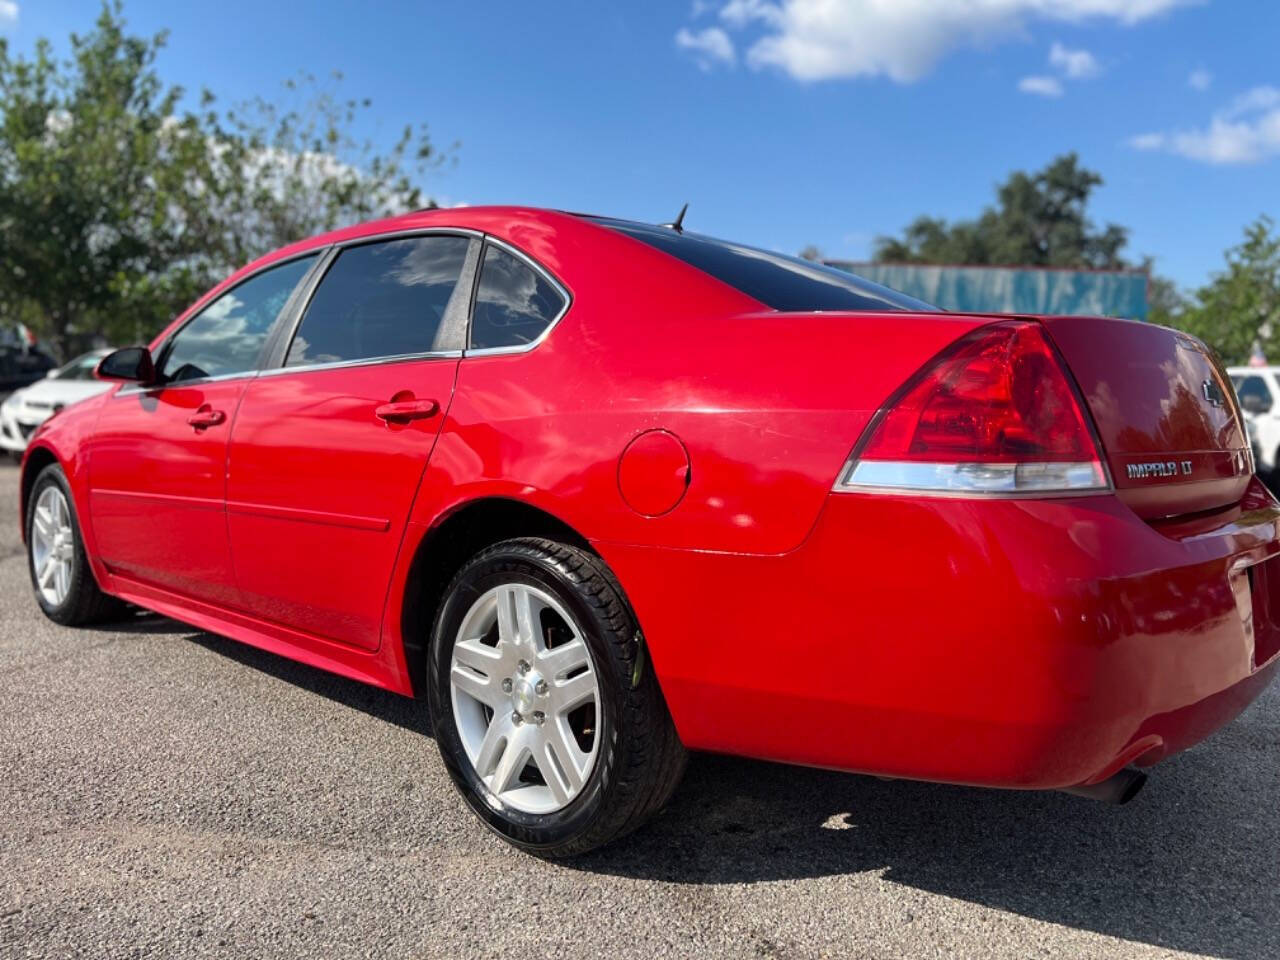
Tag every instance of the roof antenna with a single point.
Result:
(678, 223)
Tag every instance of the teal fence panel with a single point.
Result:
(1108, 293)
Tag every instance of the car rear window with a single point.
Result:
(778, 281)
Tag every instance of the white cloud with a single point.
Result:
(1247, 131)
(1200, 80)
(1041, 86)
(900, 39)
(8, 13)
(710, 46)
(1147, 141)
(1077, 64)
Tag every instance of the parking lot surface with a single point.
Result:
(167, 793)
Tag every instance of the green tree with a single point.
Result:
(1241, 304)
(117, 207)
(286, 172)
(1040, 219)
(93, 166)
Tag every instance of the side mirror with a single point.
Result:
(132, 364)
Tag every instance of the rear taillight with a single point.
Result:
(994, 414)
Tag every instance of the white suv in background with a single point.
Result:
(1259, 391)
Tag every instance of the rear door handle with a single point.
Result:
(204, 418)
(402, 411)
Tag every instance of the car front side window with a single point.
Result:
(227, 336)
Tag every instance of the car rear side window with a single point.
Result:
(514, 303)
(381, 300)
(227, 336)
(779, 282)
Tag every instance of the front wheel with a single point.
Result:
(547, 716)
(60, 573)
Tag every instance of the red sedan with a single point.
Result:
(602, 492)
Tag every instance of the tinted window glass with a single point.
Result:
(81, 368)
(777, 281)
(226, 337)
(514, 303)
(381, 300)
(1254, 387)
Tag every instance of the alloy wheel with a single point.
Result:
(52, 545)
(526, 698)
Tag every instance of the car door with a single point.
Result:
(329, 447)
(157, 460)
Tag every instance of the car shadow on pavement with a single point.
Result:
(382, 704)
(1192, 864)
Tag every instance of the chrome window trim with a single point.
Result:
(161, 354)
(129, 389)
(362, 362)
(280, 364)
(538, 268)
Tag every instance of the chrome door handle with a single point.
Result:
(403, 411)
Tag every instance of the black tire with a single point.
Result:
(639, 759)
(85, 602)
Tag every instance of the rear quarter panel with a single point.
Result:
(767, 404)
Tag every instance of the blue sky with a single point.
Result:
(782, 122)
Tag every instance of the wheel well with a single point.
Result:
(37, 460)
(452, 543)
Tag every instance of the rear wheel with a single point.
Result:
(546, 714)
(60, 574)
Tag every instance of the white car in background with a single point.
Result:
(1259, 391)
(26, 409)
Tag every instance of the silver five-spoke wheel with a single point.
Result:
(52, 545)
(525, 698)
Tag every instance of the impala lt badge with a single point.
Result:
(1158, 468)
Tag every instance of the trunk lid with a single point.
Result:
(1165, 413)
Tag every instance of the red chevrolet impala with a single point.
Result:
(602, 492)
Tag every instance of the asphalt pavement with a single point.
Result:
(168, 793)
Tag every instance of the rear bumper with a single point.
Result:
(1031, 643)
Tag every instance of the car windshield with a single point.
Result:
(776, 280)
(81, 368)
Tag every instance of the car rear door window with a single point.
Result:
(515, 304)
(381, 300)
(226, 337)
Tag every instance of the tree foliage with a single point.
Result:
(288, 172)
(118, 206)
(1039, 220)
(1241, 304)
